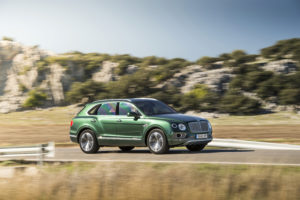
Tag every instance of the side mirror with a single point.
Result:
(133, 114)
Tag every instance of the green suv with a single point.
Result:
(138, 122)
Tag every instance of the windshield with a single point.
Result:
(152, 107)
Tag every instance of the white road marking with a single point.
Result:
(171, 161)
(233, 143)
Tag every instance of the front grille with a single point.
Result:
(204, 125)
(196, 127)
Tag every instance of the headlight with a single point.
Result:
(182, 127)
(209, 126)
(174, 125)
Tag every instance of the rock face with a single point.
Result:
(284, 66)
(106, 72)
(20, 73)
(17, 67)
(186, 79)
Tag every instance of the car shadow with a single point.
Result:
(178, 151)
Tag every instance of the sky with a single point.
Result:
(187, 29)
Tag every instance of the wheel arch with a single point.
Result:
(152, 128)
(83, 128)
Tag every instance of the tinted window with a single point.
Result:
(125, 108)
(107, 109)
(94, 110)
(152, 107)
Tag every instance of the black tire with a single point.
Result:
(88, 142)
(196, 147)
(157, 136)
(127, 148)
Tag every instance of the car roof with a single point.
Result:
(128, 100)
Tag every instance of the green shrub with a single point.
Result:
(200, 98)
(88, 89)
(207, 62)
(235, 102)
(7, 38)
(35, 98)
(283, 48)
(22, 87)
(289, 96)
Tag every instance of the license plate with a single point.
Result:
(201, 136)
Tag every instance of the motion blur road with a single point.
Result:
(222, 156)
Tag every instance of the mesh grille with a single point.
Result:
(196, 127)
(204, 126)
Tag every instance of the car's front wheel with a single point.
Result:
(195, 147)
(88, 142)
(127, 148)
(157, 142)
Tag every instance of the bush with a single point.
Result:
(7, 38)
(252, 79)
(236, 54)
(235, 102)
(129, 86)
(283, 48)
(270, 87)
(199, 98)
(290, 96)
(88, 89)
(207, 62)
(35, 98)
(166, 71)
(153, 60)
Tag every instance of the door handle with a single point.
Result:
(93, 120)
(119, 120)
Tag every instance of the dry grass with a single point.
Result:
(154, 181)
(40, 126)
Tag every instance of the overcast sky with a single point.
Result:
(168, 28)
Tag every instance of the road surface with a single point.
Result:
(221, 156)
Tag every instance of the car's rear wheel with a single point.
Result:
(88, 142)
(157, 142)
(195, 147)
(127, 148)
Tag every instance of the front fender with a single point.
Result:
(163, 125)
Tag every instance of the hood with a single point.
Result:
(176, 117)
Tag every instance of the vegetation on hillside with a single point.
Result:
(152, 72)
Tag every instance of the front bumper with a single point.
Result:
(189, 139)
(197, 141)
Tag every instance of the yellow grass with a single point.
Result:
(154, 181)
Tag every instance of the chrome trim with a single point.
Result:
(117, 138)
(199, 126)
(74, 136)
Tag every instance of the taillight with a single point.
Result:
(71, 123)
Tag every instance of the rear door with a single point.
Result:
(129, 127)
(107, 119)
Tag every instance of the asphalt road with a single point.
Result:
(222, 156)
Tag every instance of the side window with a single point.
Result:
(94, 110)
(125, 108)
(107, 109)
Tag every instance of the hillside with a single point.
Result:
(236, 82)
